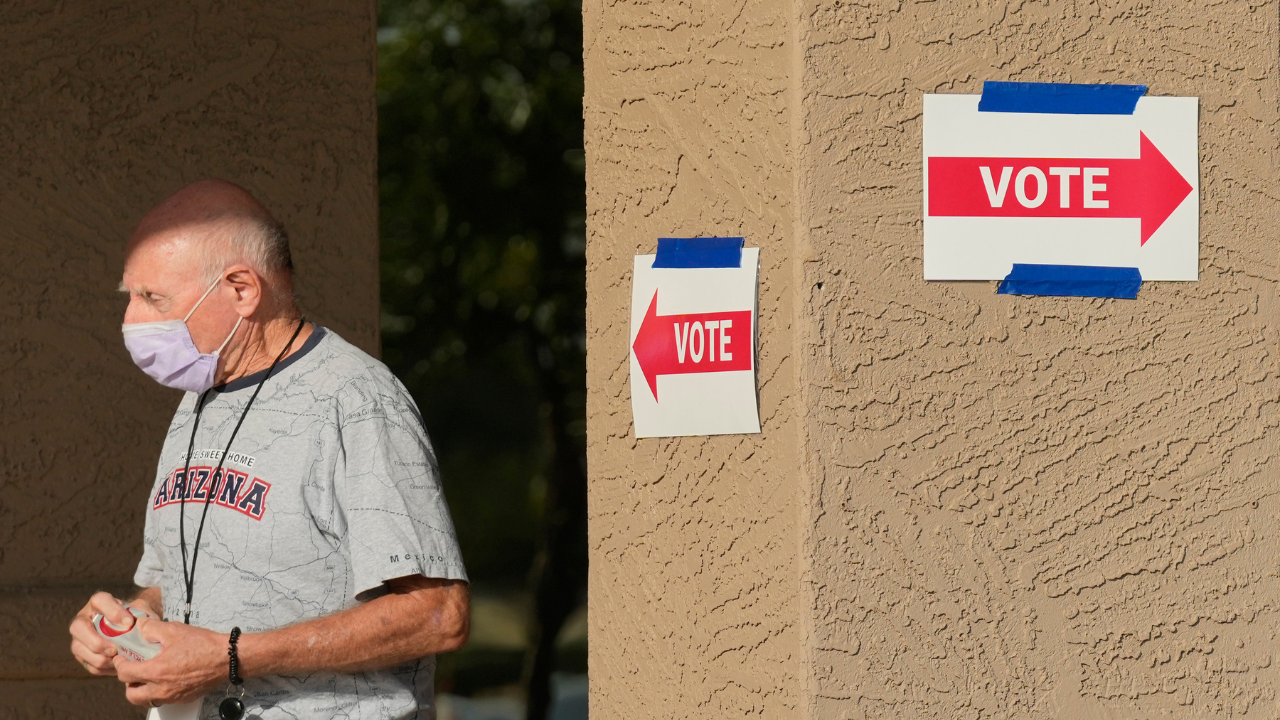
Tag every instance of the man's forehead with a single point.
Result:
(160, 260)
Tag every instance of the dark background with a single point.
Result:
(482, 224)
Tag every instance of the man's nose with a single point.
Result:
(135, 312)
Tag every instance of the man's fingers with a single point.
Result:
(126, 670)
(91, 650)
(94, 663)
(151, 630)
(139, 694)
(111, 609)
(133, 671)
(83, 632)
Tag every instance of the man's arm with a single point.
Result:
(417, 617)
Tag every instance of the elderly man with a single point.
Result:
(296, 536)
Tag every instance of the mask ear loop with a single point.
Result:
(233, 334)
(233, 330)
(202, 297)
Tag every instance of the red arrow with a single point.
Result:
(1148, 188)
(694, 343)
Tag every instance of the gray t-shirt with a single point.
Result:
(331, 488)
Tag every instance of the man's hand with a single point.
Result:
(92, 650)
(191, 663)
(416, 617)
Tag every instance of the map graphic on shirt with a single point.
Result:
(330, 488)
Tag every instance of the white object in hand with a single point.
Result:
(185, 711)
(128, 641)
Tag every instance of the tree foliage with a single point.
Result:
(482, 220)
(482, 212)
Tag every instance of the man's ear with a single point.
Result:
(248, 287)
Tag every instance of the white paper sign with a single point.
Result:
(693, 349)
(1101, 190)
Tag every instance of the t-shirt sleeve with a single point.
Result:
(388, 485)
(151, 566)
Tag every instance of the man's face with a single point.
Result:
(164, 282)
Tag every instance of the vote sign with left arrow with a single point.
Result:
(693, 348)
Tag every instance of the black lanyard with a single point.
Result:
(190, 580)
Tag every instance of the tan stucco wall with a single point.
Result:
(106, 107)
(693, 588)
(963, 504)
(1039, 507)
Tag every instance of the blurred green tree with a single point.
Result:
(482, 197)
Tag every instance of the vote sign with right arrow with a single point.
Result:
(1109, 190)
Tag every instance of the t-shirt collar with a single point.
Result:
(241, 383)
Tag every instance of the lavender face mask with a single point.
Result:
(165, 351)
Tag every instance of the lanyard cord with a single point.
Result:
(190, 580)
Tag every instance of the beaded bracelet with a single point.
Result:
(233, 666)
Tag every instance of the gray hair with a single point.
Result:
(259, 242)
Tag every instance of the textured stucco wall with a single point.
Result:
(1038, 507)
(1006, 507)
(694, 590)
(105, 107)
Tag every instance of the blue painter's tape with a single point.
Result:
(709, 252)
(1061, 98)
(1072, 280)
